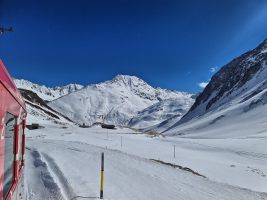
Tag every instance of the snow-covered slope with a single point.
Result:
(117, 101)
(234, 103)
(39, 112)
(47, 93)
(162, 111)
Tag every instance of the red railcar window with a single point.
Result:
(8, 163)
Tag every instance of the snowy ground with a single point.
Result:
(64, 163)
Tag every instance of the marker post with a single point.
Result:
(102, 177)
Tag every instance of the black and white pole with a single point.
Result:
(102, 177)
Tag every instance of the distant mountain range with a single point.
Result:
(124, 100)
(234, 102)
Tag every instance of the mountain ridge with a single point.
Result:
(117, 100)
(47, 93)
(235, 92)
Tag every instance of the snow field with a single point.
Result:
(72, 157)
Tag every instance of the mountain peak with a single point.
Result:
(127, 80)
(121, 77)
(71, 86)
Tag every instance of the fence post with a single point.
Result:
(102, 176)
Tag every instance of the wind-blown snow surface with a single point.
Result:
(65, 163)
(117, 100)
(47, 93)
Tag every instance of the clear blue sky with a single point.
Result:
(168, 43)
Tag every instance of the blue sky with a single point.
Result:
(170, 44)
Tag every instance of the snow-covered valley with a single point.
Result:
(162, 142)
(170, 94)
(65, 162)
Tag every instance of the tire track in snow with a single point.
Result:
(62, 181)
(46, 177)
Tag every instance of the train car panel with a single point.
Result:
(12, 138)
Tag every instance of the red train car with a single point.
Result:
(12, 138)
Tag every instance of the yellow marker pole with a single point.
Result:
(102, 176)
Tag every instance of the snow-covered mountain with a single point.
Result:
(115, 101)
(234, 102)
(162, 111)
(36, 98)
(39, 112)
(47, 93)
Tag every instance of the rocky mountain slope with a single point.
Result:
(235, 97)
(116, 101)
(39, 112)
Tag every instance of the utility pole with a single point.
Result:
(4, 30)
